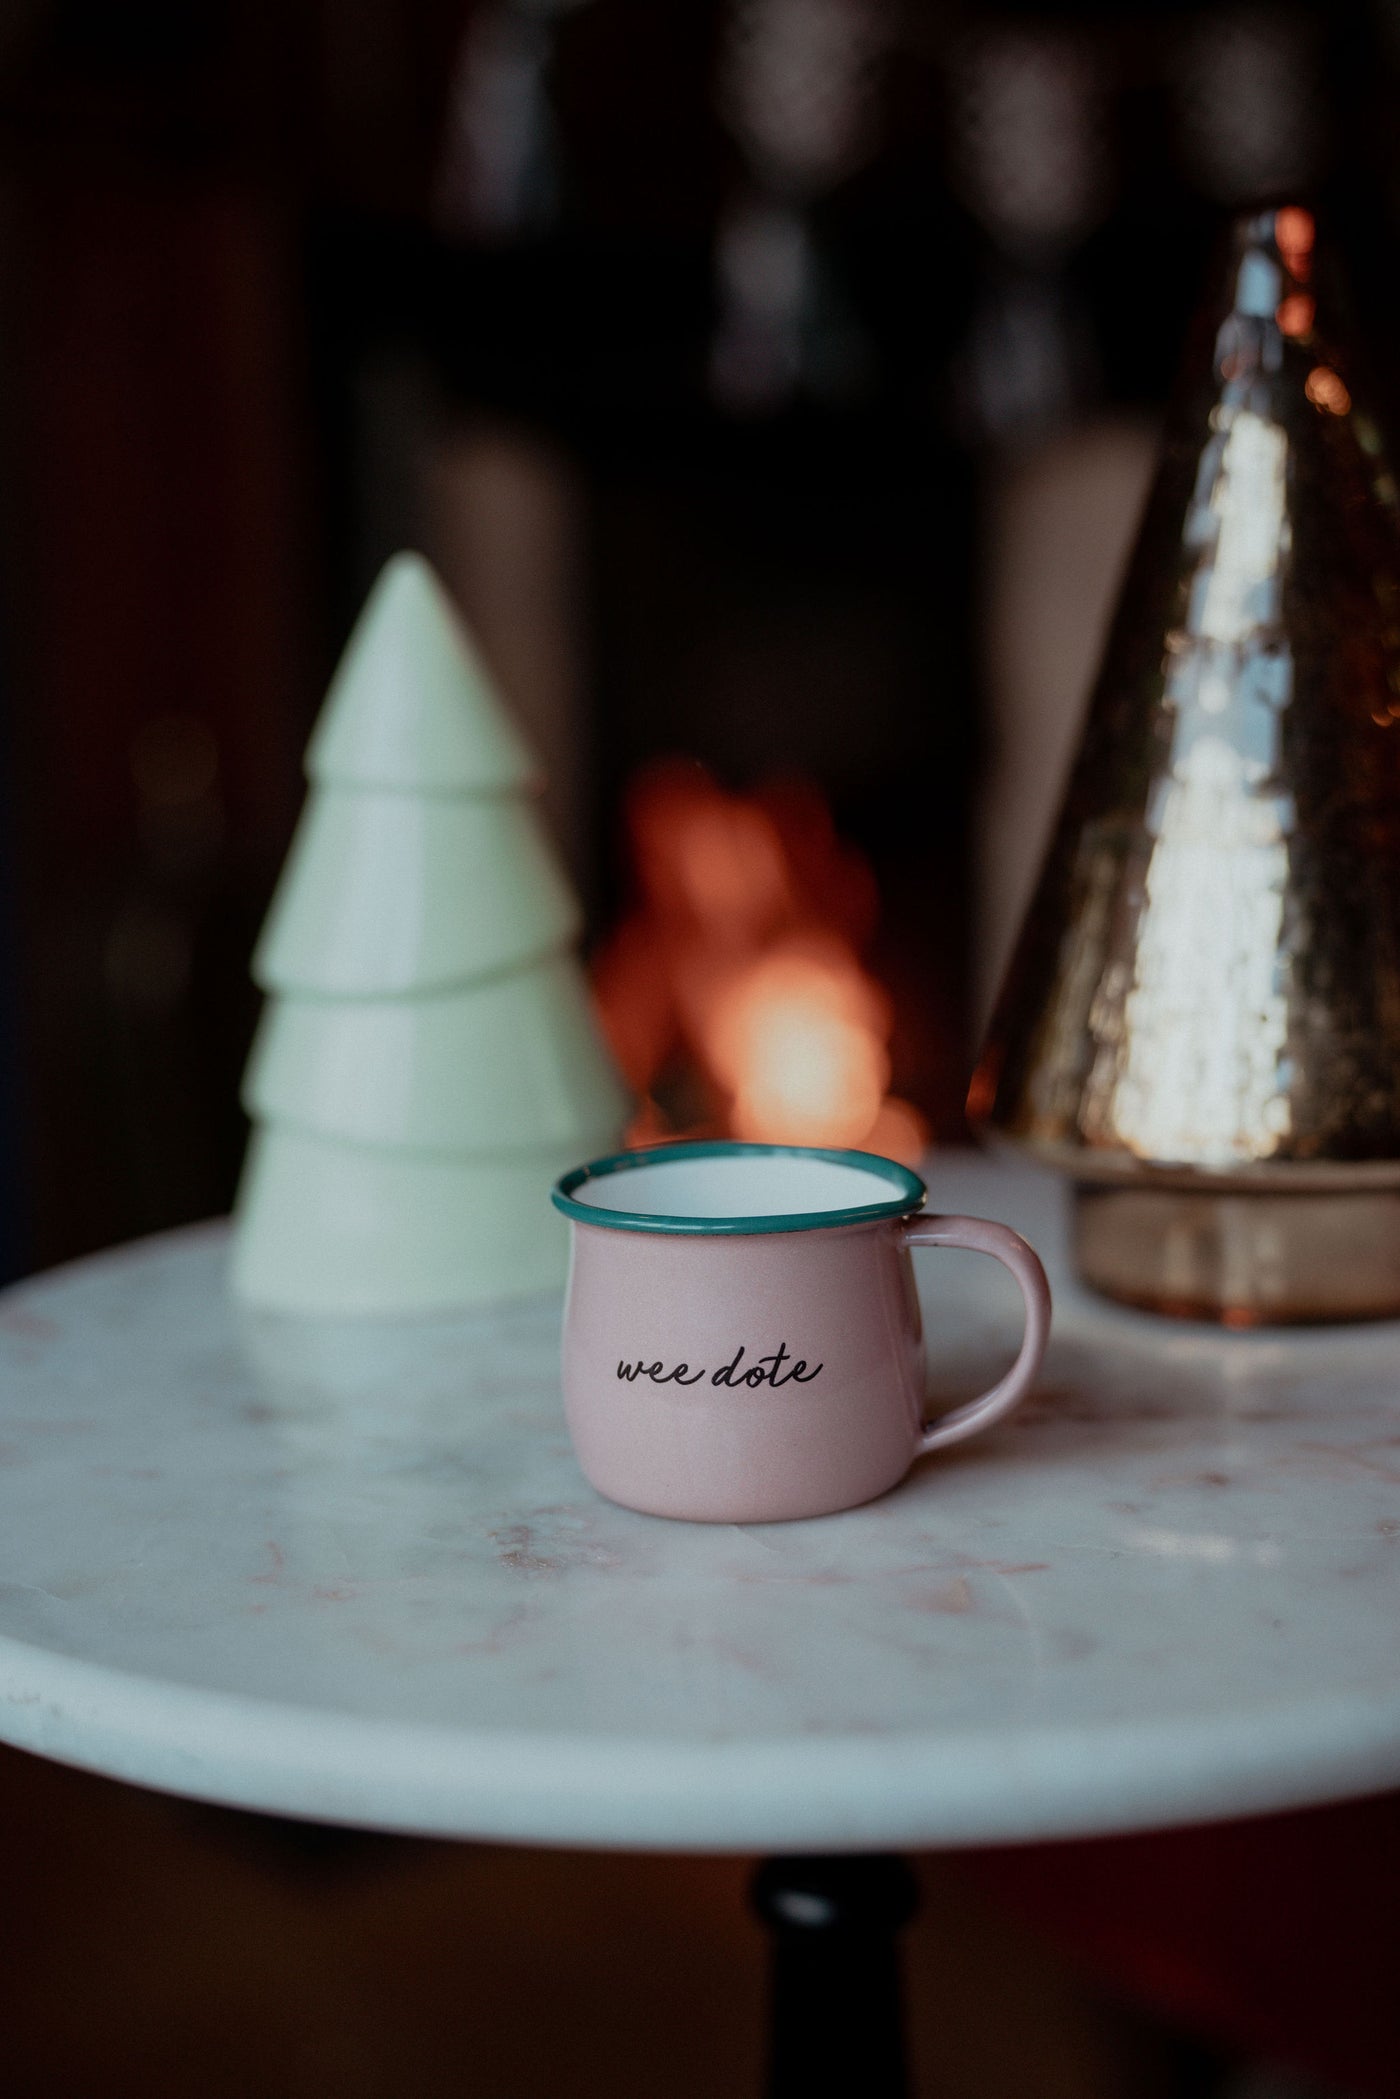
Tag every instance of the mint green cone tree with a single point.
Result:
(427, 1061)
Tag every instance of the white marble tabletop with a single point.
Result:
(352, 1573)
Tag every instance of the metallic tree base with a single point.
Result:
(1242, 1259)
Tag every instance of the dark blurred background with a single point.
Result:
(774, 384)
(771, 380)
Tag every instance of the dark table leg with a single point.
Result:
(836, 2019)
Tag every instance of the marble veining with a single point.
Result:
(351, 1571)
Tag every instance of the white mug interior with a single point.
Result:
(739, 1184)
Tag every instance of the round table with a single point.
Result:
(350, 1572)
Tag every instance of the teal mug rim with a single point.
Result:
(911, 1195)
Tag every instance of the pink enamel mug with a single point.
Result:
(742, 1336)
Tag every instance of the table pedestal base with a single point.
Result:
(836, 2016)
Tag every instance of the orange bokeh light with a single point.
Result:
(898, 1131)
(1295, 314)
(1327, 389)
(796, 1037)
(734, 990)
(729, 862)
(1295, 230)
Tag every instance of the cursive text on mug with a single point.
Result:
(766, 1370)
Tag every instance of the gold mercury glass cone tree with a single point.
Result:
(427, 1062)
(1201, 1024)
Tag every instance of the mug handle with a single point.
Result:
(981, 1236)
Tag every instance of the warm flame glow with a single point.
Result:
(1294, 232)
(1295, 314)
(898, 1131)
(734, 993)
(730, 865)
(798, 1039)
(1327, 389)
